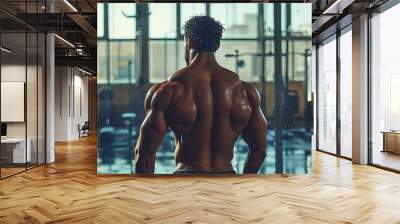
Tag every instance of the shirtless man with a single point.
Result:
(206, 106)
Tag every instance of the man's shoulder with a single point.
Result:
(168, 85)
(252, 93)
(229, 74)
(165, 90)
(179, 75)
(162, 93)
(249, 87)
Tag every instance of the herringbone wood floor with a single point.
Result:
(70, 191)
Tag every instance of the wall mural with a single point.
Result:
(204, 88)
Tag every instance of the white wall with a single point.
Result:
(61, 103)
(13, 72)
(71, 102)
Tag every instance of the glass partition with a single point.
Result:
(13, 105)
(22, 91)
(385, 89)
(346, 94)
(41, 97)
(31, 98)
(327, 96)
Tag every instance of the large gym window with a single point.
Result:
(239, 20)
(121, 16)
(190, 10)
(165, 58)
(248, 69)
(166, 13)
(100, 19)
(122, 62)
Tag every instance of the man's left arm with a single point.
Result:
(255, 133)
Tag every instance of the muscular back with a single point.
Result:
(207, 108)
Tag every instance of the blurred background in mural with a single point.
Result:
(268, 45)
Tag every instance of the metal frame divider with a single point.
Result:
(338, 98)
(0, 93)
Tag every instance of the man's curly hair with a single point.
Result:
(205, 31)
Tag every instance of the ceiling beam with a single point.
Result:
(84, 24)
(337, 7)
(78, 61)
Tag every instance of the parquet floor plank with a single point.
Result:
(70, 191)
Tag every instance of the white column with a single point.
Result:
(63, 112)
(360, 90)
(50, 100)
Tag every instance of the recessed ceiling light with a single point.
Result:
(5, 50)
(84, 71)
(70, 5)
(65, 41)
(337, 7)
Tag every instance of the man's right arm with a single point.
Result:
(255, 133)
(153, 128)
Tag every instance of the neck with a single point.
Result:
(203, 57)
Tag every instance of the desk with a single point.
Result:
(13, 150)
(391, 141)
